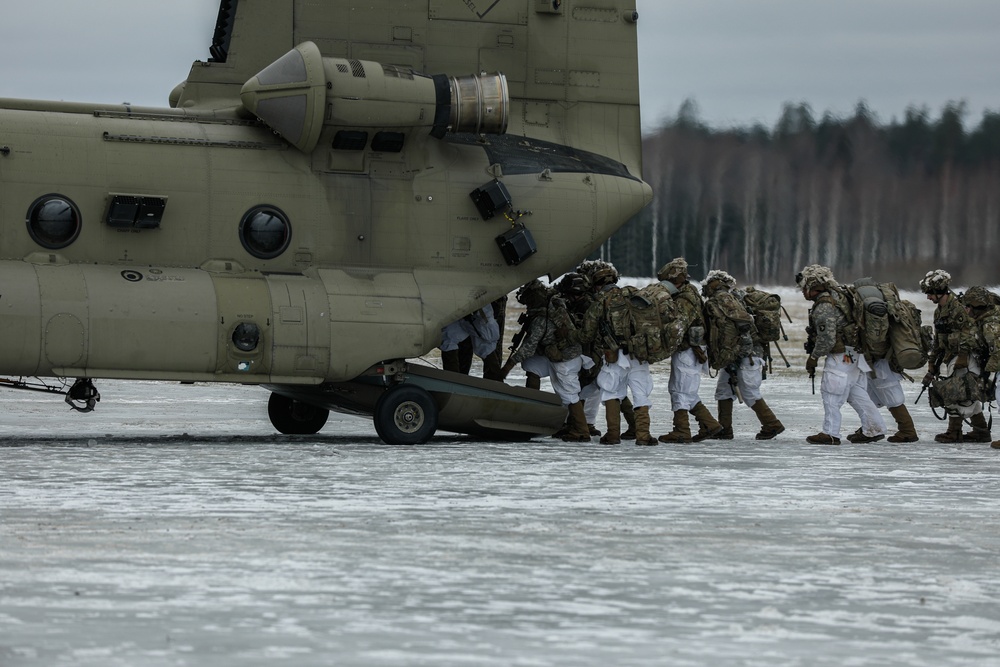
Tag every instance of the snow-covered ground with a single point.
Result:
(172, 526)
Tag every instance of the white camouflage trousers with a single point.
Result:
(685, 379)
(885, 388)
(748, 379)
(626, 375)
(844, 382)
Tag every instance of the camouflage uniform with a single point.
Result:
(956, 341)
(550, 347)
(989, 326)
(575, 288)
(688, 362)
(619, 373)
(733, 351)
(833, 337)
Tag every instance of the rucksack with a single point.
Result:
(642, 323)
(766, 310)
(724, 315)
(889, 327)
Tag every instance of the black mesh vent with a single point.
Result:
(357, 69)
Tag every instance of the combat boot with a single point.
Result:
(707, 424)
(995, 444)
(904, 422)
(629, 413)
(642, 435)
(613, 416)
(578, 431)
(682, 429)
(769, 424)
(823, 439)
(726, 420)
(533, 381)
(980, 430)
(593, 431)
(954, 432)
(859, 438)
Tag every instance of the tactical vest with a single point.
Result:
(847, 330)
(560, 337)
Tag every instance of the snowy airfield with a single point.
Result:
(173, 526)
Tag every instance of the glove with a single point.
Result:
(928, 378)
(811, 362)
(699, 354)
(962, 361)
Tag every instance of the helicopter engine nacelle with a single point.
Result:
(303, 91)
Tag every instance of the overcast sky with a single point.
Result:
(740, 60)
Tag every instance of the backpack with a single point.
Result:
(766, 310)
(723, 315)
(871, 315)
(889, 326)
(642, 323)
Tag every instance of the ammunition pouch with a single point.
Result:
(961, 388)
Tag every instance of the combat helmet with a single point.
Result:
(573, 285)
(715, 280)
(937, 281)
(675, 268)
(532, 294)
(815, 277)
(978, 297)
(603, 273)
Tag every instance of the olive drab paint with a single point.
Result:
(302, 210)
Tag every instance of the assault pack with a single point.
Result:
(888, 326)
(730, 330)
(641, 323)
(766, 309)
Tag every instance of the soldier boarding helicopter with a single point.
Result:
(336, 183)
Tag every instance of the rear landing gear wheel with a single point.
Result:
(405, 415)
(293, 417)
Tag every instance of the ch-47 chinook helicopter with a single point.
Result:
(336, 183)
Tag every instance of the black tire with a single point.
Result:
(405, 415)
(293, 417)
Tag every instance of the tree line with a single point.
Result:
(890, 201)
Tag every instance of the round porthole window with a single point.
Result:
(53, 222)
(265, 232)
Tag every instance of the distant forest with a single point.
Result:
(889, 201)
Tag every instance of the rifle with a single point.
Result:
(515, 342)
(733, 369)
(921, 394)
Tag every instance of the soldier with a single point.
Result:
(831, 334)
(551, 335)
(885, 387)
(619, 373)
(592, 392)
(688, 362)
(481, 332)
(735, 351)
(576, 291)
(956, 340)
(982, 307)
